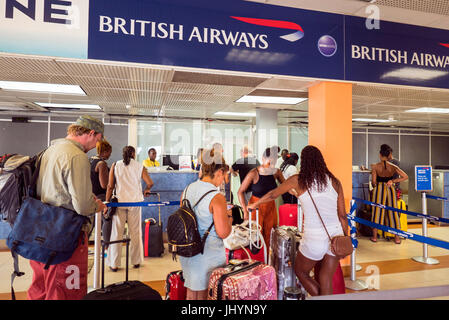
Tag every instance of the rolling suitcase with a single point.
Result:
(338, 281)
(153, 243)
(127, 290)
(246, 280)
(288, 215)
(284, 244)
(174, 286)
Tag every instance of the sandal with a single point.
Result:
(373, 240)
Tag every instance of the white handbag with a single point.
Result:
(242, 235)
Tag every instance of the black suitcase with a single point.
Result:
(127, 290)
(153, 242)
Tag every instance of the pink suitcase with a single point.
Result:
(246, 280)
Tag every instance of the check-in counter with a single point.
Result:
(170, 185)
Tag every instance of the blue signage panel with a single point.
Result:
(396, 54)
(226, 35)
(423, 178)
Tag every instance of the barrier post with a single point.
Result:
(353, 283)
(425, 257)
(97, 250)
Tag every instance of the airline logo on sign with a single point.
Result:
(180, 32)
(292, 37)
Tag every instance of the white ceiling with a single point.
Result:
(183, 93)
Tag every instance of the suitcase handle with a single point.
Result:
(225, 276)
(103, 245)
(158, 195)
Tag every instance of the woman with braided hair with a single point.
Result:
(327, 192)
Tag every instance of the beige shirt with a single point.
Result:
(64, 178)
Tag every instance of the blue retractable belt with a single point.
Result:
(411, 213)
(143, 204)
(404, 234)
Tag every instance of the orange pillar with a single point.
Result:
(330, 129)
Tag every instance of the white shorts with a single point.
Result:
(315, 243)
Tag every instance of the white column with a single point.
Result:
(266, 130)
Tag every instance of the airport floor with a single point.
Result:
(385, 266)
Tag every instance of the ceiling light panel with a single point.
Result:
(270, 100)
(68, 106)
(41, 87)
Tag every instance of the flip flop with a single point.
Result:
(373, 240)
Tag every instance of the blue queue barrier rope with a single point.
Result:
(143, 204)
(435, 197)
(411, 213)
(404, 234)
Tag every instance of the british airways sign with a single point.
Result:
(237, 35)
(232, 35)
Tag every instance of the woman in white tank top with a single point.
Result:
(314, 247)
(126, 177)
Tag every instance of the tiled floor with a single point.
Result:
(385, 266)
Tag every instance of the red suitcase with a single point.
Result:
(247, 253)
(338, 281)
(288, 215)
(174, 286)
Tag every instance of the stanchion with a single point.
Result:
(97, 251)
(352, 283)
(425, 257)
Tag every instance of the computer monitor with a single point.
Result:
(171, 160)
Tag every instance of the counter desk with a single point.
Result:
(170, 185)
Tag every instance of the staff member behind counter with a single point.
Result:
(151, 160)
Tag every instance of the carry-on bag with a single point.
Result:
(291, 215)
(284, 244)
(174, 286)
(245, 280)
(246, 242)
(288, 214)
(153, 242)
(127, 290)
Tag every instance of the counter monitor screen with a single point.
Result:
(171, 160)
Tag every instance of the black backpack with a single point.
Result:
(182, 230)
(16, 172)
